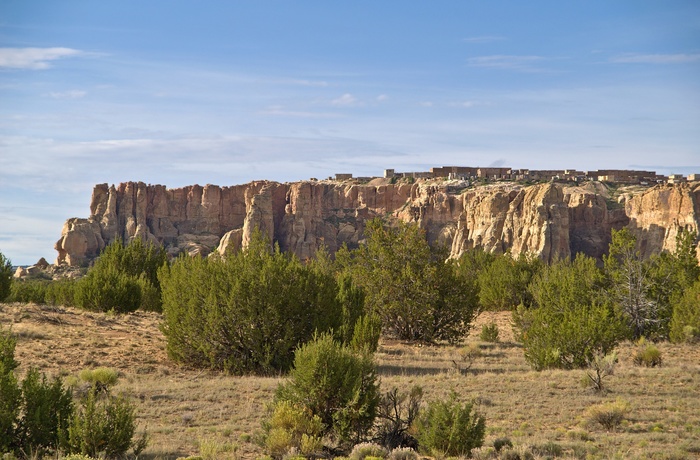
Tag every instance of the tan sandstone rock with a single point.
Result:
(550, 220)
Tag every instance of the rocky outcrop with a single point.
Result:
(550, 220)
(81, 241)
(658, 215)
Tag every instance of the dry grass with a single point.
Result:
(188, 411)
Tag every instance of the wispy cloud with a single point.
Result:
(346, 100)
(463, 104)
(382, 98)
(679, 58)
(72, 94)
(484, 39)
(33, 58)
(312, 83)
(280, 111)
(507, 62)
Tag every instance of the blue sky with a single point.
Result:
(184, 92)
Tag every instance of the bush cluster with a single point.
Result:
(685, 321)
(102, 425)
(38, 416)
(336, 384)
(123, 279)
(248, 312)
(489, 333)
(450, 428)
(408, 284)
(332, 396)
(609, 414)
(43, 292)
(504, 282)
(569, 312)
(5, 276)
(31, 411)
(647, 354)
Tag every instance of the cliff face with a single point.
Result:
(549, 220)
(657, 216)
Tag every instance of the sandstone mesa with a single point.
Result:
(552, 220)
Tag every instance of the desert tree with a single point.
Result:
(409, 285)
(671, 274)
(5, 276)
(247, 312)
(630, 284)
(685, 322)
(503, 283)
(571, 322)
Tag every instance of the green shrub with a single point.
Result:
(691, 334)
(417, 295)
(5, 277)
(352, 300)
(47, 408)
(367, 450)
(609, 414)
(489, 333)
(365, 337)
(107, 289)
(503, 284)
(571, 323)
(292, 427)
(101, 378)
(334, 384)
(10, 392)
(548, 450)
(28, 291)
(568, 338)
(450, 428)
(150, 295)
(102, 425)
(7, 351)
(33, 413)
(61, 292)
(43, 292)
(500, 443)
(685, 321)
(248, 312)
(647, 354)
(123, 279)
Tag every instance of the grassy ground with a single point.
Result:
(188, 411)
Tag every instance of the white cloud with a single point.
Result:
(280, 111)
(484, 39)
(382, 98)
(680, 58)
(464, 104)
(507, 62)
(72, 94)
(33, 58)
(346, 100)
(313, 83)
(426, 104)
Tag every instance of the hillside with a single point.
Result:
(199, 412)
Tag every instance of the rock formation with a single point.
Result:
(550, 220)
